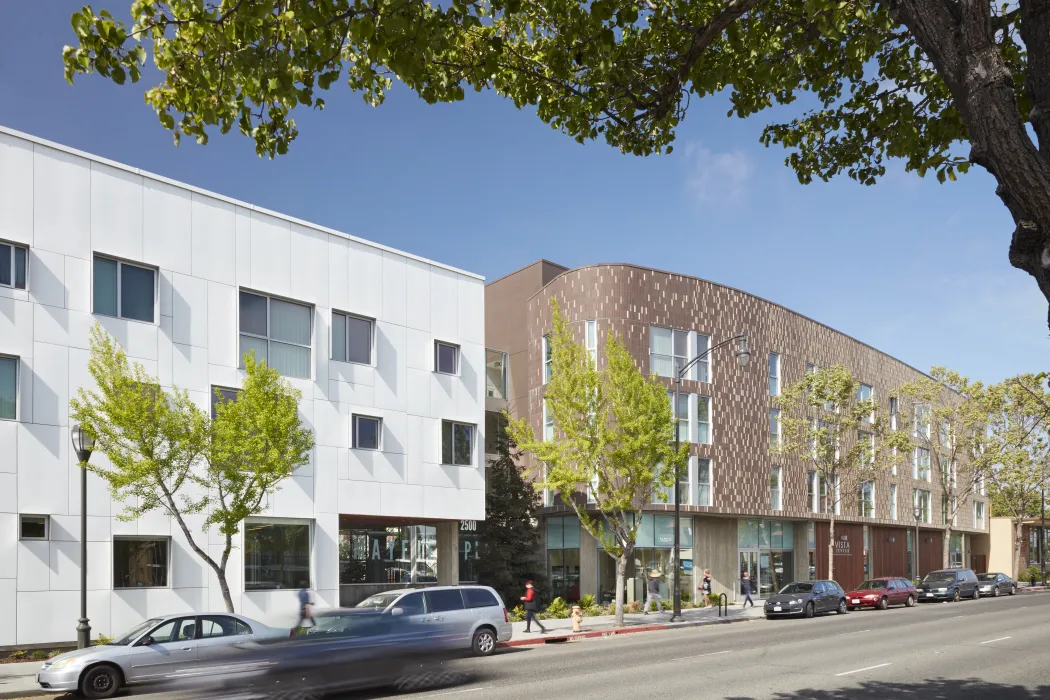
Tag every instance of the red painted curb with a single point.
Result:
(575, 636)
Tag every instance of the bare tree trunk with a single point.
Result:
(1018, 539)
(220, 570)
(621, 580)
(831, 547)
(946, 545)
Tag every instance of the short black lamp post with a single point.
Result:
(917, 511)
(83, 444)
(743, 356)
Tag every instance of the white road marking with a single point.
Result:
(697, 656)
(858, 670)
(454, 692)
(843, 634)
(996, 640)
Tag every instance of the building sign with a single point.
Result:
(842, 546)
(468, 525)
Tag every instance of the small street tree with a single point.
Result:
(824, 422)
(508, 537)
(945, 415)
(165, 453)
(614, 434)
(1017, 450)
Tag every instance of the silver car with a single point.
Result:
(475, 614)
(154, 650)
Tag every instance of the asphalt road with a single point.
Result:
(991, 649)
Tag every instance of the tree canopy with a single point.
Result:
(916, 80)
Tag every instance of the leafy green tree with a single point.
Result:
(945, 416)
(1017, 450)
(165, 453)
(508, 537)
(910, 79)
(613, 442)
(825, 423)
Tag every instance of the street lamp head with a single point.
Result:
(918, 513)
(743, 353)
(83, 443)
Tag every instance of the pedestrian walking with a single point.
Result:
(652, 592)
(532, 606)
(745, 589)
(306, 605)
(706, 585)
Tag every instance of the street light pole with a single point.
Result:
(743, 356)
(83, 444)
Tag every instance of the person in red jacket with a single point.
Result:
(532, 606)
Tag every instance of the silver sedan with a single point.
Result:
(156, 649)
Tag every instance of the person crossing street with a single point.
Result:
(532, 606)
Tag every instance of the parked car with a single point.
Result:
(949, 584)
(807, 598)
(881, 593)
(996, 584)
(153, 650)
(475, 614)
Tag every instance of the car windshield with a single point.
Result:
(379, 601)
(986, 577)
(871, 585)
(939, 579)
(136, 632)
(797, 588)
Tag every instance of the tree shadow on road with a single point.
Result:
(931, 689)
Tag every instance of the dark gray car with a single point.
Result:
(948, 584)
(807, 598)
(995, 584)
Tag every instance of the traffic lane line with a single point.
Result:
(1000, 639)
(699, 656)
(860, 670)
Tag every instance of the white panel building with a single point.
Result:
(386, 348)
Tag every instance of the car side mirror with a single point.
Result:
(397, 612)
(146, 641)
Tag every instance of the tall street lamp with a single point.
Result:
(917, 511)
(83, 444)
(743, 356)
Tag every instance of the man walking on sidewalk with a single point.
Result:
(652, 592)
(532, 605)
(745, 589)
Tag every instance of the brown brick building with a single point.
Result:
(744, 508)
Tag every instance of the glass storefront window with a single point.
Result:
(276, 556)
(747, 534)
(563, 532)
(767, 553)
(563, 571)
(955, 551)
(385, 554)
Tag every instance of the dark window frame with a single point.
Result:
(355, 444)
(121, 263)
(21, 527)
(473, 443)
(18, 254)
(438, 344)
(142, 538)
(346, 338)
(292, 577)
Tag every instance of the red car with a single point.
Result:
(881, 593)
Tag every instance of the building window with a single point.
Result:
(352, 338)
(495, 431)
(457, 443)
(33, 527)
(380, 553)
(920, 423)
(548, 423)
(811, 492)
(955, 550)
(592, 342)
(141, 562)
(685, 493)
(221, 395)
(8, 388)
(668, 350)
(446, 358)
(978, 515)
(893, 501)
(495, 374)
(866, 499)
(703, 481)
(774, 428)
(548, 359)
(920, 464)
(894, 411)
(811, 544)
(774, 488)
(774, 374)
(563, 557)
(864, 394)
(278, 332)
(703, 420)
(13, 266)
(921, 499)
(838, 495)
(703, 367)
(681, 414)
(124, 290)
(866, 442)
(368, 433)
(276, 556)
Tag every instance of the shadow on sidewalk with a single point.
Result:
(933, 689)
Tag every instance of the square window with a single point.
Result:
(124, 290)
(368, 432)
(278, 332)
(140, 562)
(446, 358)
(8, 388)
(12, 266)
(276, 556)
(352, 338)
(221, 395)
(33, 527)
(457, 443)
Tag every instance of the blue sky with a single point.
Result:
(915, 268)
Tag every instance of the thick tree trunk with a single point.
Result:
(946, 546)
(621, 579)
(831, 547)
(1018, 539)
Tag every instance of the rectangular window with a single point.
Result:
(866, 500)
(837, 495)
(457, 443)
(866, 447)
(124, 290)
(8, 388)
(703, 420)
(352, 338)
(811, 492)
(495, 431)
(221, 395)
(774, 428)
(368, 433)
(496, 374)
(864, 394)
(703, 367)
(921, 500)
(978, 515)
(920, 464)
(681, 414)
(592, 342)
(668, 349)
(276, 556)
(279, 333)
(703, 481)
(13, 266)
(140, 562)
(893, 501)
(33, 527)
(894, 410)
(446, 358)
(548, 359)
(920, 423)
(383, 553)
(548, 423)
(684, 492)
(774, 488)
(774, 374)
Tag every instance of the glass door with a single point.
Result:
(765, 572)
(749, 563)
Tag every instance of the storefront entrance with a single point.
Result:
(766, 553)
(654, 553)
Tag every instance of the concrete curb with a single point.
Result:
(600, 634)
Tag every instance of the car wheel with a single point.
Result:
(1013, 589)
(842, 607)
(995, 592)
(809, 610)
(976, 593)
(883, 604)
(910, 603)
(955, 596)
(101, 681)
(484, 642)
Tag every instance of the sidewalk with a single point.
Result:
(604, 625)
(19, 680)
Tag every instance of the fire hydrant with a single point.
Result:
(577, 618)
